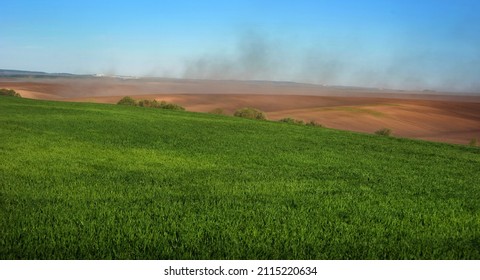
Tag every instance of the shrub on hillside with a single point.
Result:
(160, 105)
(313, 123)
(127, 100)
(473, 142)
(145, 103)
(9, 92)
(300, 122)
(384, 132)
(292, 121)
(170, 106)
(287, 120)
(250, 113)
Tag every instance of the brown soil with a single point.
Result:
(446, 118)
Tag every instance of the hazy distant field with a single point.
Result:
(96, 181)
(444, 117)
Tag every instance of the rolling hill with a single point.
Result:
(101, 181)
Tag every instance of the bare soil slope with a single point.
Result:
(423, 115)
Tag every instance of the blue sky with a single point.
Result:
(397, 44)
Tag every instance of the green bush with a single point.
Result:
(287, 120)
(145, 103)
(127, 100)
(9, 92)
(473, 142)
(384, 132)
(250, 113)
(292, 121)
(314, 123)
(300, 122)
(170, 106)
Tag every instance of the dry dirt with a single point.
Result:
(445, 117)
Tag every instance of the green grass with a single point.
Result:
(92, 181)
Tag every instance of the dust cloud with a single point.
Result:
(407, 66)
(254, 57)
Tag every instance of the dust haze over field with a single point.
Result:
(262, 56)
(445, 117)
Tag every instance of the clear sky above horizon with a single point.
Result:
(422, 44)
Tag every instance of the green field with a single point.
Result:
(92, 181)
